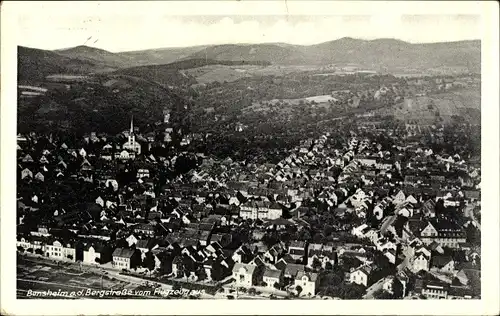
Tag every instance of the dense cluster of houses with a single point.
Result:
(129, 210)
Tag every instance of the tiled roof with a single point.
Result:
(440, 261)
(272, 273)
(248, 268)
(310, 275)
(297, 244)
(292, 269)
(123, 253)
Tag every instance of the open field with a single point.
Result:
(64, 277)
(465, 103)
(221, 73)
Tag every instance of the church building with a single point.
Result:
(131, 146)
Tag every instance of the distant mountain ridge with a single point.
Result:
(389, 54)
(36, 64)
(97, 55)
(161, 56)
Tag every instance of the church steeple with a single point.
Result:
(132, 125)
(131, 136)
(133, 147)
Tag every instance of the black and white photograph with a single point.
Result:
(221, 155)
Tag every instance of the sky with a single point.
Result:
(116, 26)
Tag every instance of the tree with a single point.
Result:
(252, 291)
(318, 238)
(201, 273)
(397, 289)
(381, 294)
(298, 288)
(316, 264)
(217, 273)
(121, 243)
(439, 208)
(176, 286)
(270, 239)
(473, 234)
(304, 235)
(349, 262)
(148, 261)
(353, 291)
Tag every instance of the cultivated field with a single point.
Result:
(465, 103)
(221, 73)
(38, 276)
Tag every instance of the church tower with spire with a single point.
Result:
(131, 145)
(131, 136)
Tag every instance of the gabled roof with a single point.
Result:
(123, 253)
(297, 244)
(249, 269)
(312, 277)
(292, 269)
(314, 249)
(244, 250)
(98, 247)
(281, 265)
(272, 273)
(440, 261)
(145, 243)
(366, 269)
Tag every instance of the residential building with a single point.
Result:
(361, 275)
(245, 274)
(125, 258)
(59, 250)
(272, 277)
(297, 250)
(308, 281)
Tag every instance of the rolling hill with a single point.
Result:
(171, 74)
(106, 99)
(161, 56)
(106, 102)
(35, 64)
(98, 56)
(273, 53)
(389, 54)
